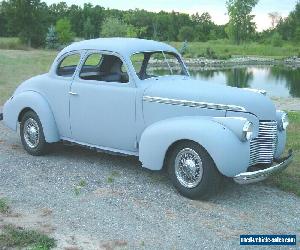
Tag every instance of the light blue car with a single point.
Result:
(135, 97)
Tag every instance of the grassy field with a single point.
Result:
(289, 180)
(17, 65)
(222, 49)
(225, 49)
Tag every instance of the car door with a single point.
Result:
(56, 89)
(102, 103)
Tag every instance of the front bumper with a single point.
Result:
(260, 175)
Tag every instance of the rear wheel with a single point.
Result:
(32, 134)
(192, 171)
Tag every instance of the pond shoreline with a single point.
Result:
(203, 63)
(287, 104)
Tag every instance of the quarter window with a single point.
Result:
(68, 65)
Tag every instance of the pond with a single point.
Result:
(278, 81)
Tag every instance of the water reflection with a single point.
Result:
(278, 81)
(290, 76)
(239, 77)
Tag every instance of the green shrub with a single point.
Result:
(51, 38)
(276, 40)
(12, 43)
(210, 53)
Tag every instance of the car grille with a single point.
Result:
(263, 147)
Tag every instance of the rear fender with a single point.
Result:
(35, 101)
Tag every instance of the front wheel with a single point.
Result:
(32, 134)
(192, 171)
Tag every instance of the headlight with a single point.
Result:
(247, 131)
(284, 121)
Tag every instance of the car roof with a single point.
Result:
(122, 46)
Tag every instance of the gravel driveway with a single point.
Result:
(89, 200)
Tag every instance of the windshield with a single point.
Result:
(155, 64)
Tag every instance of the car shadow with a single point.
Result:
(131, 163)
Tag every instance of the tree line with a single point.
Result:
(37, 23)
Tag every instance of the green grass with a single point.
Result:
(113, 176)
(20, 238)
(17, 66)
(4, 207)
(79, 187)
(225, 49)
(289, 179)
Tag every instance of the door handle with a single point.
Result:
(72, 93)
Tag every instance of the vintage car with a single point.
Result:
(136, 97)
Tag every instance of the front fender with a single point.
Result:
(33, 100)
(230, 154)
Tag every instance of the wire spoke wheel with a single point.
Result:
(31, 133)
(188, 168)
(192, 170)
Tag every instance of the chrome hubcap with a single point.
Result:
(31, 133)
(188, 168)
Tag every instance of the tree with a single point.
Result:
(275, 18)
(88, 29)
(77, 20)
(3, 20)
(297, 35)
(288, 27)
(241, 25)
(113, 27)
(63, 29)
(205, 29)
(186, 33)
(27, 20)
(51, 38)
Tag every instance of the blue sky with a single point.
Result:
(216, 8)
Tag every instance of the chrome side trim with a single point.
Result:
(260, 175)
(193, 104)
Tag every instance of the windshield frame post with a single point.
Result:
(167, 62)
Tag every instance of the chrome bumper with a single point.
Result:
(260, 175)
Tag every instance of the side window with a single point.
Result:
(68, 65)
(105, 68)
(93, 60)
(156, 64)
(137, 61)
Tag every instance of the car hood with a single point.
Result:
(187, 89)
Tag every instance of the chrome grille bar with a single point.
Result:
(263, 147)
